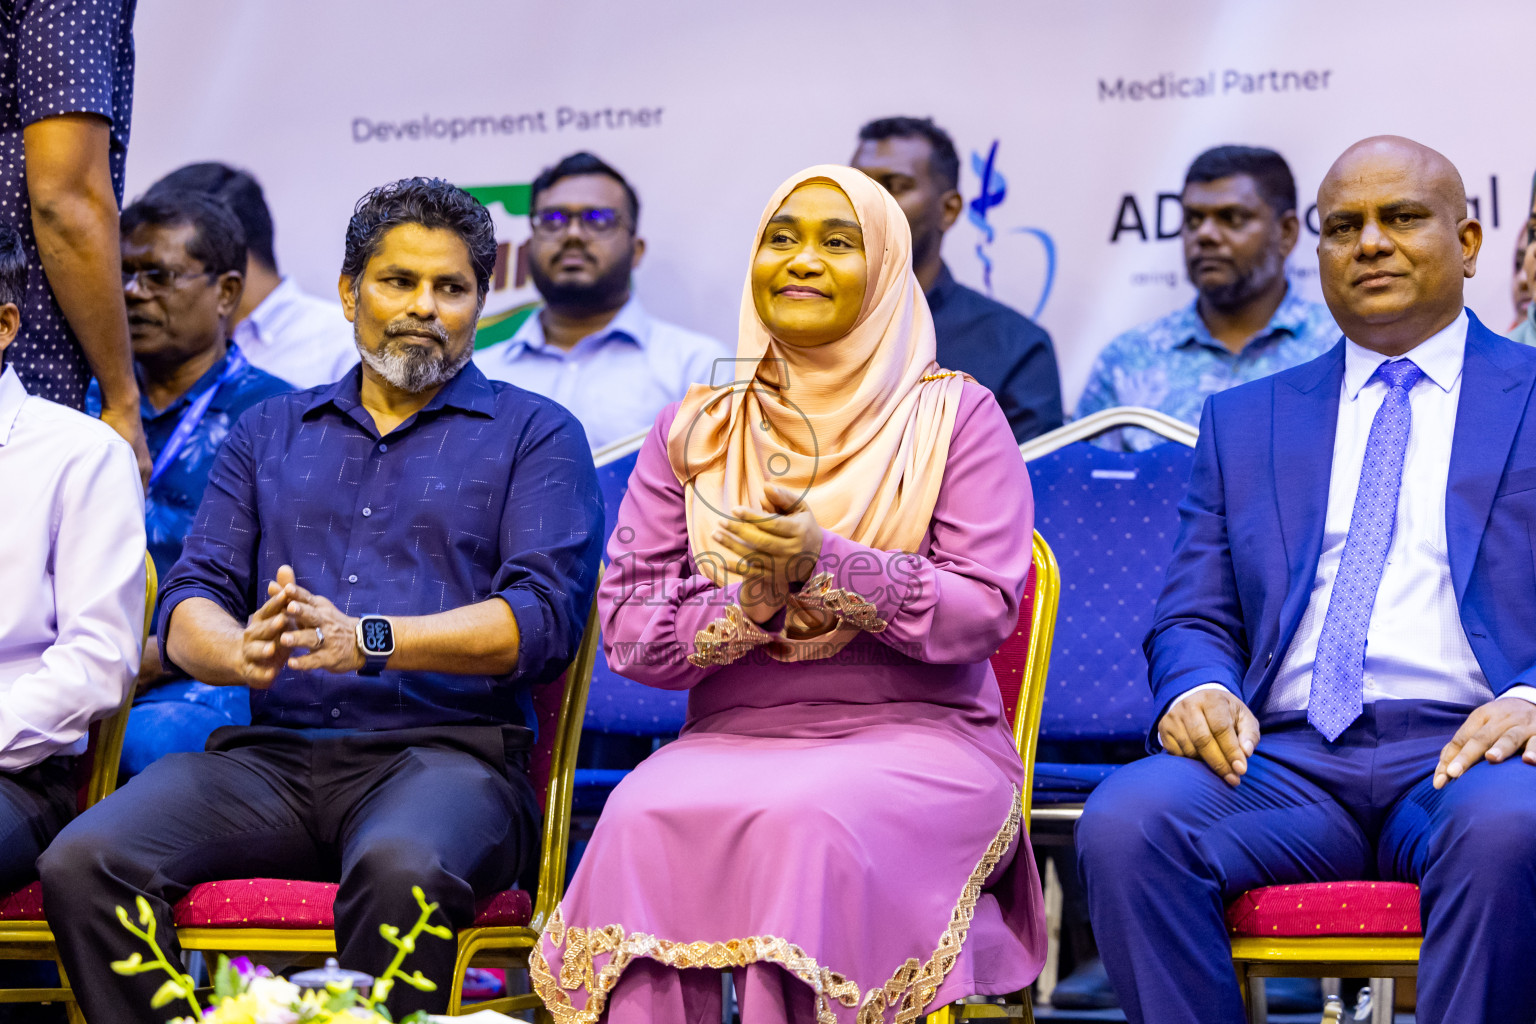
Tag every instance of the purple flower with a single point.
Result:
(243, 967)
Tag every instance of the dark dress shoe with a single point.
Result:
(1086, 988)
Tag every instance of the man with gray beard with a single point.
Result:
(1247, 320)
(390, 563)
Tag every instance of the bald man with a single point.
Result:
(1344, 650)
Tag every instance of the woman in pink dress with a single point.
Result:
(824, 553)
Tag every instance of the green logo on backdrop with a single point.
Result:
(498, 327)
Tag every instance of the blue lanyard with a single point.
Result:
(191, 419)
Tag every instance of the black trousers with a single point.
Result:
(447, 809)
(35, 803)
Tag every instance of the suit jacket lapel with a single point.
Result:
(1493, 399)
(1305, 422)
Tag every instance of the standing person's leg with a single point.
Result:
(188, 818)
(35, 803)
(1472, 848)
(443, 820)
(1163, 844)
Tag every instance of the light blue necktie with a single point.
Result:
(1339, 670)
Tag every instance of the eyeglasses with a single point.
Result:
(160, 279)
(597, 220)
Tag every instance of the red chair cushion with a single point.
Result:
(1326, 909)
(23, 904)
(281, 903)
(1011, 660)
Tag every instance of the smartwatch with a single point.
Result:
(376, 639)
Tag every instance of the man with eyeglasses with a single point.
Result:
(183, 272)
(592, 347)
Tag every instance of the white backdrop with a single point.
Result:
(706, 106)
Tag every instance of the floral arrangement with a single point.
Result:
(246, 994)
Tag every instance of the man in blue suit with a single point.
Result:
(1344, 650)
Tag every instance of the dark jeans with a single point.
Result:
(35, 803)
(1164, 844)
(447, 809)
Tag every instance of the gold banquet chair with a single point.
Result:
(24, 934)
(1327, 930)
(253, 916)
(1020, 666)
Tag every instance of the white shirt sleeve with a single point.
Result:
(1191, 692)
(98, 590)
(1522, 691)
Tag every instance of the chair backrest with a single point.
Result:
(619, 705)
(104, 749)
(560, 707)
(1111, 518)
(1020, 663)
(1105, 420)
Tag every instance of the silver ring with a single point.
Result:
(319, 638)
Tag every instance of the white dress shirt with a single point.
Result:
(72, 572)
(299, 338)
(615, 380)
(1415, 645)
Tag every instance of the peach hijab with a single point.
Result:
(860, 426)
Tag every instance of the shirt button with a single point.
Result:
(352, 578)
(367, 512)
(383, 447)
(335, 712)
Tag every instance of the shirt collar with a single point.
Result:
(468, 391)
(1289, 317)
(631, 324)
(209, 377)
(260, 318)
(943, 287)
(1440, 357)
(12, 394)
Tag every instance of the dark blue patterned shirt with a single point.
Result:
(57, 57)
(488, 491)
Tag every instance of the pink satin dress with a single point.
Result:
(844, 834)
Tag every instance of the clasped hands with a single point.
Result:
(291, 620)
(776, 547)
(1219, 729)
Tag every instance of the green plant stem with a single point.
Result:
(185, 986)
(403, 948)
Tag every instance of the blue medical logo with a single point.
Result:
(993, 190)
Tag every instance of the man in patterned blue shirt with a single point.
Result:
(183, 260)
(391, 563)
(1247, 321)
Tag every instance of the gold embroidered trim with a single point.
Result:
(914, 985)
(938, 376)
(582, 944)
(726, 639)
(910, 989)
(849, 607)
